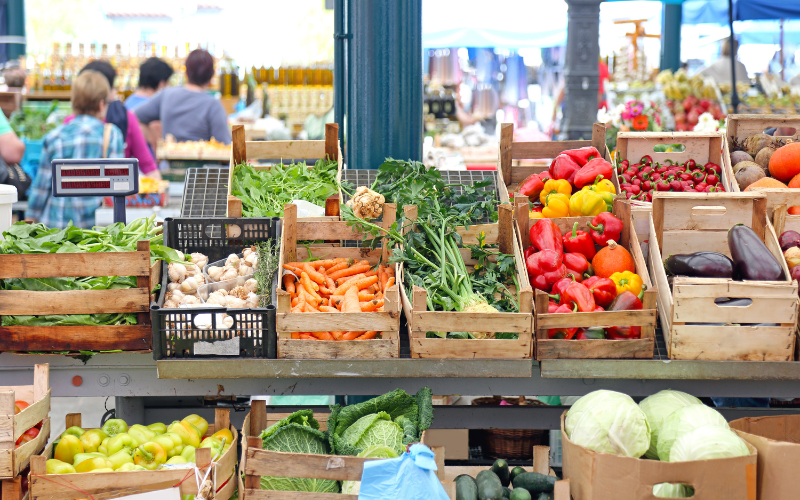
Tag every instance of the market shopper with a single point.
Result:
(188, 113)
(126, 121)
(85, 136)
(154, 75)
(720, 70)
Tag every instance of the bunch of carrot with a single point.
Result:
(337, 285)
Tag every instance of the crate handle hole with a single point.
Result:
(708, 211)
(733, 302)
(686, 484)
(785, 131)
(669, 148)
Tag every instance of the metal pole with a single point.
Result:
(782, 59)
(734, 94)
(16, 27)
(671, 36)
(582, 72)
(339, 77)
(384, 81)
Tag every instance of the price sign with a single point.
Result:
(117, 177)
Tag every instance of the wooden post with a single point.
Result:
(38, 468)
(760, 216)
(541, 459)
(222, 419)
(234, 207)
(73, 420)
(238, 147)
(143, 318)
(779, 217)
(522, 216)
(252, 481)
(389, 218)
(332, 141)
(599, 137)
(290, 232)
(506, 140)
(258, 417)
(622, 209)
(505, 235)
(332, 206)
(561, 490)
(203, 458)
(41, 381)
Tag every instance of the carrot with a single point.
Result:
(328, 309)
(367, 336)
(336, 300)
(322, 335)
(309, 299)
(338, 267)
(358, 285)
(305, 336)
(389, 283)
(323, 290)
(372, 288)
(372, 272)
(295, 300)
(351, 335)
(382, 278)
(337, 335)
(364, 296)
(369, 306)
(350, 302)
(296, 335)
(390, 271)
(331, 285)
(315, 276)
(301, 303)
(342, 281)
(295, 269)
(309, 308)
(350, 271)
(306, 281)
(288, 283)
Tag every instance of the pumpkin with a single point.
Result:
(785, 162)
(612, 259)
(794, 211)
(766, 182)
(795, 182)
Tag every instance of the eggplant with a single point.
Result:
(752, 260)
(728, 302)
(789, 239)
(700, 265)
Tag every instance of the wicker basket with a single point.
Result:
(509, 443)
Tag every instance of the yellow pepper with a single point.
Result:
(553, 186)
(586, 203)
(535, 215)
(627, 281)
(557, 205)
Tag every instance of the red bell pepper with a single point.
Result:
(531, 186)
(626, 301)
(603, 289)
(545, 268)
(577, 265)
(604, 227)
(712, 167)
(563, 167)
(578, 294)
(559, 287)
(593, 333)
(563, 332)
(582, 156)
(590, 172)
(551, 307)
(545, 235)
(579, 242)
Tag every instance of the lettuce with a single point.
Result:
(375, 429)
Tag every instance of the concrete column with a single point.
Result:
(671, 36)
(384, 81)
(581, 73)
(16, 27)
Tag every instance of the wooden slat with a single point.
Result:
(302, 465)
(506, 149)
(732, 343)
(741, 126)
(76, 338)
(285, 150)
(343, 349)
(332, 230)
(505, 236)
(454, 321)
(544, 149)
(238, 148)
(74, 265)
(604, 318)
(471, 348)
(594, 349)
(31, 415)
(332, 141)
(308, 322)
(127, 300)
(295, 495)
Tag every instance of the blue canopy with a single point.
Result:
(764, 9)
(716, 11)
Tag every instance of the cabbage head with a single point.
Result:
(659, 406)
(707, 443)
(353, 487)
(685, 420)
(375, 429)
(608, 422)
(673, 490)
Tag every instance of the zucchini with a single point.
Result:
(500, 467)
(506, 492)
(466, 488)
(516, 471)
(520, 494)
(545, 496)
(534, 482)
(489, 487)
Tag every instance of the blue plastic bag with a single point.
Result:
(410, 476)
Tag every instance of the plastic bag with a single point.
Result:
(410, 476)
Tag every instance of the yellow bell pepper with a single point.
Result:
(535, 215)
(586, 203)
(627, 281)
(553, 186)
(557, 205)
(602, 186)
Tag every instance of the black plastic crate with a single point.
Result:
(176, 334)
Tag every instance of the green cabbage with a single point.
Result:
(353, 487)
(707, 443)
(673, 490)
(608, 422)
(657, 407)
(685, 420)
(350, 432)
(297, 433)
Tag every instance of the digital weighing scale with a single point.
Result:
(115, 177)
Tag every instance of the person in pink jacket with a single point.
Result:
(126, 121)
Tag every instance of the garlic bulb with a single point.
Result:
(252, 259)
(227, 322)
(177, 272)
(251, 285)
(232, 260)
(215, 272)
(252, 300)
(199, 259)
(229, 274)
(190, 300)
(236, 303)
(190, 285)
(245, 270)
(172, 287)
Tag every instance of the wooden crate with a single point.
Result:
(137, 337)
(547, 348)
(387, 322)
(13, 460)
(692, 222)
(421, 320)
(107, 485)
(242, 150)
(510, 174)
(742, 126)
(702, 147)
(541, 464)
(14, 489)
(256, 462)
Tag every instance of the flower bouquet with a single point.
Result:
(633, 115)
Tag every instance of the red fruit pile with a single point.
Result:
(640, 180)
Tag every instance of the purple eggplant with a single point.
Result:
(752, 260)
(789, 239)
(700, 265)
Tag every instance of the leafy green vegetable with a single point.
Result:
(413, 414)
(31, 123)
(268, 263)
(375, 429)
(353, 487)
(297, 433)
(265, 192)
